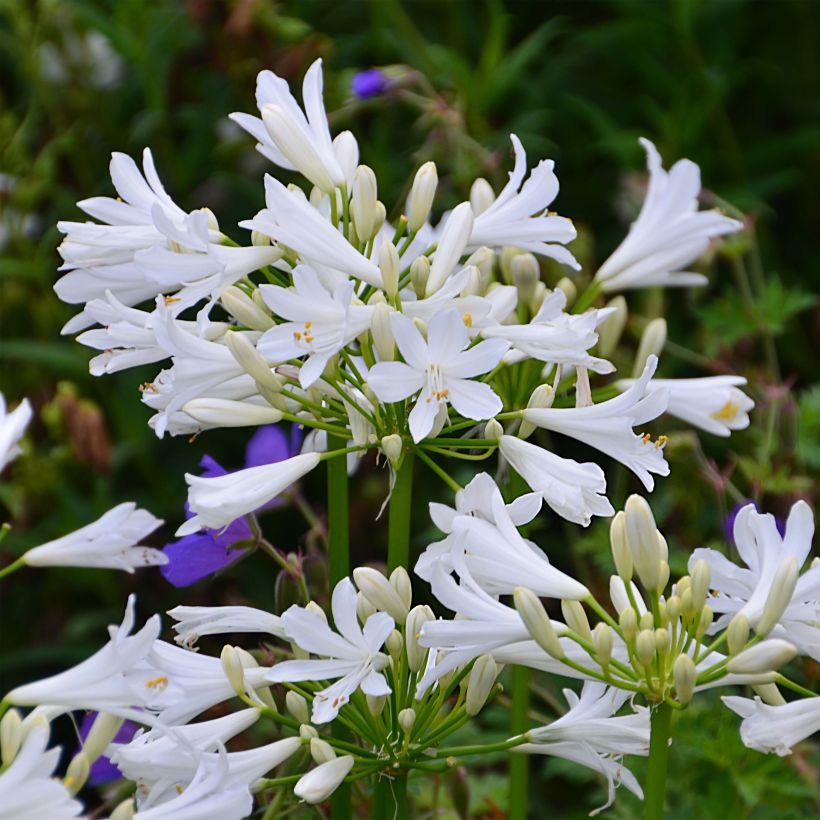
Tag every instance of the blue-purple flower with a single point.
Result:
(369, 83)
(103, 770)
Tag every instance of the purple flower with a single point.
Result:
(103, 770)
(369, 83)
(730, 521)
(196, 556)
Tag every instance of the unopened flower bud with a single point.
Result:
(576, 618)
(673, 607)
(377, 589)
(419, 275)
(233, 668)
(243, 350)
(213, 412)
(621, 554)
(102, 732)
(245, 310)
(685, 675)
(363, 202)
(780, 595)
(482, 196)
(647, 621)
(400, 581)
(76, 774)
(319, 783)
(382, 333)
(645, 646)
(652, 344)
(525, 273)
(297, 706)
(662, 640)
(686, 601)
(493, 430)
(663, 615)
(307, 732)
(416, 654)
(706, 618)
(124, 811)
(610, 330)
(536, 301)
(628, 621)
(505, 259)
(762, 657)
(451, 244)
(407, 718)
(259, 239)
(569, 289)
(375, 704)
(393, 447)
(364, 608)
(11, 736)
(421, 325)
(484, 260)
(421, 196)
(313, 607)
(480, 684)
(663, 576)
(737, 633)
(394, 644)
(473, 286)
(389, 265)
(769, 693)
(540, 398)
(701, 579)
(641, 535)
(321, 751)
(537, 622)
(602, 641)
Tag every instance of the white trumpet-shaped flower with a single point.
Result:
(352, 654)
(192, 622)
(294, 139)
(319, 324)
(747, 589)
(518, 216)
(216, 502)
(111, 542)
(441, 369)
(576, 491)
(775, 729)
(12, 427)
(319, 783)
(669, 233)
(608, 426)
(28, 791)
(714, 403)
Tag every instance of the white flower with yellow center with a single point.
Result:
(440, 370)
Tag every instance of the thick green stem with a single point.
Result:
(390, 797)
(398, 526)
(338, 546)
(519, 770)
(655, 789)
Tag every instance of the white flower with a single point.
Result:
(195, 621)
(441, 369)
(589, 734)
(292, 221)
(148, 245)
(218, 501)
(319, 323)
(519, 216)
(294, 139)
(669, 233)
(352, 654)
(12, 427)
(451, 246)
(763, 551)
(27, 789)
(713, 403)
(608, 426)
(574, 490)
(319, 783)
(112, 541)
(775, 729)
(555, 336)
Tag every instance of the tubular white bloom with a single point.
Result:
(111, 542)
(291, 220)
(451, 246)
(319, 323)
(669, 232)
(714, 403)
(195, 621)
(589, 734)
(12, 427)
(574, 490)
(608, 426)
(519, 217)
(218, 501)
(555, 336)
(763, 551)
(441, 369)
(293, 139)
(27, 789)
(352, 654)
(252, 412)
(210, 796)
(146, 246)
(319, 783)
(775, 729)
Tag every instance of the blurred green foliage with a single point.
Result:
(732, 84)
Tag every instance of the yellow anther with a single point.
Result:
(157, 683)
(309, 338)
(297, 335)
(307, 325)
(646, 438)
(179, 787)
(468, 320)
(661, 442)
(169, 300)
(727, 412)
(148, 386)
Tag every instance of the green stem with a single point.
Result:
(660, 732)
(398, 527)
(519, 765)
(445, 477)
(13, 567)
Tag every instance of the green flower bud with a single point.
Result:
(737, 633)
(602, 641)
(645, 646)
(537, 622)
(407, 718)
(621, 553)
(297, 706)
(780, 595)
(576, 619)
(480, 683)
(685, 675)
(11, 736)
(77, 774)
(628, 621)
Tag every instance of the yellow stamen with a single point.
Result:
(148, 386)
(157, 683)
(727, 412)
(468, 320)
(169, 300)
(660, 443)
(297, 335)
(646, 437)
